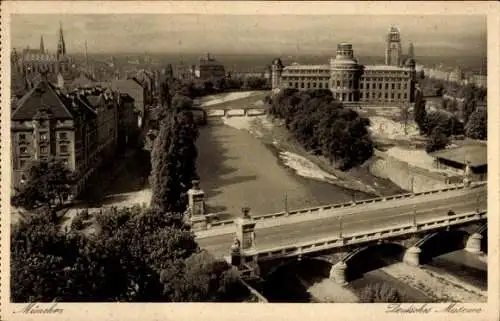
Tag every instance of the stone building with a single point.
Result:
(31, 60)
(208, 67)
(79, 129)
(351, 82)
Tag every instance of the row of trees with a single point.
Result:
(137, 256)
(323, 126)
(441, 124)
(198, 87)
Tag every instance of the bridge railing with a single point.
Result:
(317, 209)
(368, 236)
(235, 112)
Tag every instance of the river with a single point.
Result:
(238, 170)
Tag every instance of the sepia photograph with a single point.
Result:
(247, 158)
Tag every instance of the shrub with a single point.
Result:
(380, 293)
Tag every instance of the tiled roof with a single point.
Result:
(43, 95)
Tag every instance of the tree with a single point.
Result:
(181, 102)
(322, 126)
(477, 126)
(48, 183)
(437, 141)
(255, 83)
(446, 123)
(47, 265)
(380, 293)
(173, 161)
(204, 279)
(165, 180)
(419, 109)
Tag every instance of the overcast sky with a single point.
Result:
(222, 34)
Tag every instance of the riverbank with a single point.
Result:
(292, 154)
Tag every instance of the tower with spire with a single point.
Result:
(61, 45)
(42, 47)
(393, 47)
(411, 51)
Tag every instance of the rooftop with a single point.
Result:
(306, 67)
(474, 153)
(45, 96)
(384, 67)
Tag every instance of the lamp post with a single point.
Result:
(414, 215)
(286, 203)
(340, 226)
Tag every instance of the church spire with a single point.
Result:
(86, 57)
(42, 47)
(61, 46)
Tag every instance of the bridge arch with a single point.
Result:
(318, 262)
(288, 281)
(372, 257)
(441, 242)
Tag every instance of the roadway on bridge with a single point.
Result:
(289, 234)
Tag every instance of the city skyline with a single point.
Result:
(231, 34)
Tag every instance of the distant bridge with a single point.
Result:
(215, 115)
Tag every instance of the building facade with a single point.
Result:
(208, 67)
(31, 60)
(351, 82)
(78, 128)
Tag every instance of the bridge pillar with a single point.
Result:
(412, 256)
(196, 207)
(245, 230)
(338, 273)
(473, 244)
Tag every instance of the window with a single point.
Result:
(386, 86)
(43, 137)
(338, 83)
(320, 85)
(23, 150)
(392, 95)
(361, 86)
(44, 150)
(393, 85)
(314, 85)
(296, 85)
(63, 148)
(380, 86)
(386, 96)
(63, 136)
(22, 163)
(405, 95)
(301, 85)
(290, 84)
(308, 85)
(22, 137)
(399, 86)
(350, 83)
(405, 86)
(399, 96)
